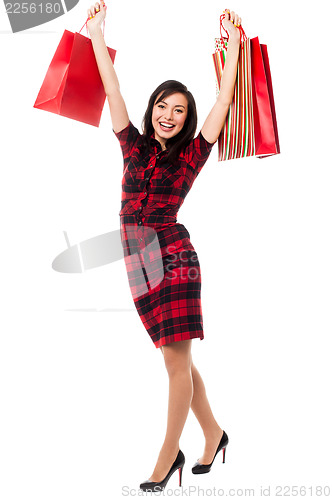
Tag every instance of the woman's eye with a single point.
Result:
(180, 110)
(161, 106)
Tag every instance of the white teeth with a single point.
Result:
(168, 126)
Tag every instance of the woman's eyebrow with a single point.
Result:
(176, 105)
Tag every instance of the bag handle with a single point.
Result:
(85, 24)
(242, 33)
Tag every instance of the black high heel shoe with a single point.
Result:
(203, 468)
(159, 486)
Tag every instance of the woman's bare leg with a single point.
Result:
(177, 357)
(202, 410)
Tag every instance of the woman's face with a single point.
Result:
(168, 116)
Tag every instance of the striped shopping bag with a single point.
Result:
(250, 127)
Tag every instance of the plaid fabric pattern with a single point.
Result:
(162, 265)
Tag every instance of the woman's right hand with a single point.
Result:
(96, 14)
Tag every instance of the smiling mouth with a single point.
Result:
(166, 126)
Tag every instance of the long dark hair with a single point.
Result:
(175, 144)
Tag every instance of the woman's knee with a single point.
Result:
(177, 356)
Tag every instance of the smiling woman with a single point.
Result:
(170, 104)
(159, 168)
(168, 117)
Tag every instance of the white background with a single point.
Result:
(84, 392)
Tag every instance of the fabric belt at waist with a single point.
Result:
(134, 218)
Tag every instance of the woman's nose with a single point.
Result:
(169, 114)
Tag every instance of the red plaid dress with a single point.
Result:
(162, 265)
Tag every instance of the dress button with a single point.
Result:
(140, 208)
(139, 222)
(157, 157)
(145, 193)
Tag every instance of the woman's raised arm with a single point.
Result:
(217, 116)
(119, 114)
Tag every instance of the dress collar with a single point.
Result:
(156, 144)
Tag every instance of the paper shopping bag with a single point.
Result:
(236, 139)
(265, 121)
(251, 127)
(72, 86)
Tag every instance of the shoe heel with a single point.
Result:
(180, 475)
(223, 454)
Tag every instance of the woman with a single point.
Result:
(160, 167)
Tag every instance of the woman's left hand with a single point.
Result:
(231, 23)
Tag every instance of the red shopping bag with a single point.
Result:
(251, 126)
(265, 121)
(72, 86)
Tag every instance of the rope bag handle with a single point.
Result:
(223, 38)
